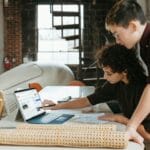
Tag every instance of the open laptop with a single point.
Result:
(29, 103)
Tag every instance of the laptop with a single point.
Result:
(30, 103)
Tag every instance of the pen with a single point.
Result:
(66, 99)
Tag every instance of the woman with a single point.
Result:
(125, 82)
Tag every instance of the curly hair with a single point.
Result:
(121, 59)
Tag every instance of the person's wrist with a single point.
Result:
(130, 128)
(131, 125)
(58, 106)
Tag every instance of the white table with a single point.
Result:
(59, 93)
(131, 146)
(82, 91)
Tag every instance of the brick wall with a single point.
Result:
(29, 30)
(1, 37)
(94, 29)
(12, 33)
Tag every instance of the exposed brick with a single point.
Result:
(13, 36)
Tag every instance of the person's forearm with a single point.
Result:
(142, 110)
(145, 134)
(78, 103)
(122, 120)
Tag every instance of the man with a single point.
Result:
(126, 21)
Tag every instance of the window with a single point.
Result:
(51, 46)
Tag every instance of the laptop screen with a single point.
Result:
(29, 102)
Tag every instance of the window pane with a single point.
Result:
(59, 57)
(57, 7)
(69, 32)
(51, 46)
(44, 16)
(71, 8)
(72, 44)
(70, 20)
(57, 21)
(49, 34)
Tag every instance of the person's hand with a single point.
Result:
(134, 136)
(111, 117)
(88, 110)
(47, 104)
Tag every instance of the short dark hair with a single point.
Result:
(125, 11)
(120, 59)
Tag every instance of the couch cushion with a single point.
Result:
(18, 75)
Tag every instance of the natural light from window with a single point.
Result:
(51, 47)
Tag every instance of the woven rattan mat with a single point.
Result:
(77, 127)
(65, 135)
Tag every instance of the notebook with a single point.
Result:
(29, 103)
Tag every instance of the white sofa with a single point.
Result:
(44, 73)
(20, 76)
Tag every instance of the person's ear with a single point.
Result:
(133, 26)
(125, 72)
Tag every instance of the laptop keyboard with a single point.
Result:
(49, 117)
